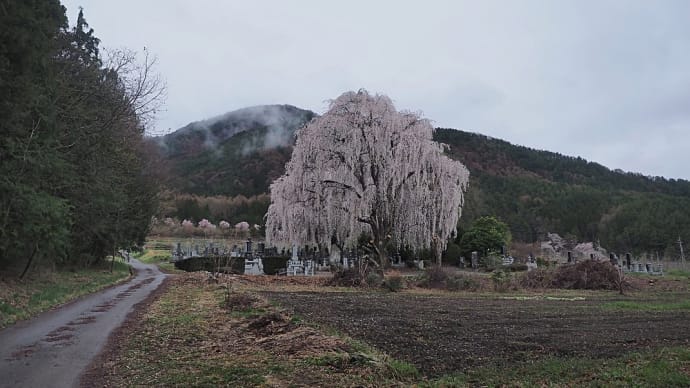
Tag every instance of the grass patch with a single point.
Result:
(402, 370)
(665, 367)
(22, 299)
(248, 313)
(153, 256)
(678, 274)
(648, 306)
(189, 338)
(157, 256)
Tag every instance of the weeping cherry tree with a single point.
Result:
(364, 167)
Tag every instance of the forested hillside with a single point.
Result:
(204, 156)
(537, 192)
(534, 191)
(75, 180)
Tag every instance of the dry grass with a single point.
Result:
(22, 299)
(228, 334)
(201, 334)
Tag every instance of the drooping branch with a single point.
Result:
(367, 168)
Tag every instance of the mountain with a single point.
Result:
(537, 192)
(240, 152)
(222, 167)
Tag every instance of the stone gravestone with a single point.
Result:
(475, 259)
(248, 244)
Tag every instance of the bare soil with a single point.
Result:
(445, 333)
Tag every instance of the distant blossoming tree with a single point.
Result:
(206, 224)
(224, 224)
(187, 227)
(364, 167)
(243, 226)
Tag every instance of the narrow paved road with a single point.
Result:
(53, 349)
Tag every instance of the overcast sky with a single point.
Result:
(605, 80)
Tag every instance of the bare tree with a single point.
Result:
(364, 167)
(144, 89)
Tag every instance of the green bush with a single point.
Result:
(394, 282)
(434, 277)
(502, 280)
(273, 264)
(373, 279)
(462, 283)
(491, 262)
(452, 254)
(204, 263)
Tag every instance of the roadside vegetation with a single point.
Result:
(665, 367)
(157, 252)
(41, 291)
(205, 334)
(293, 331)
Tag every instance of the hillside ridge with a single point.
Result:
(534, 191)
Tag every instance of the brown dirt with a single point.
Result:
(445, 333)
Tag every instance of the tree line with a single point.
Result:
(76, 183)
(537, 192)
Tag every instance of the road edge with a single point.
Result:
(94, 375)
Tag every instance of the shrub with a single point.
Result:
(355, 277)
(345, 278)
(394, 282)
(491, 262)
(538, 278)
(211, 264)
(373, 279)
(434, 277)
(587, 275)
(462, 282)
(273, 264)
(503, 280)
(452, 254)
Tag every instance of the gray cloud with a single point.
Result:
(605, 80)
